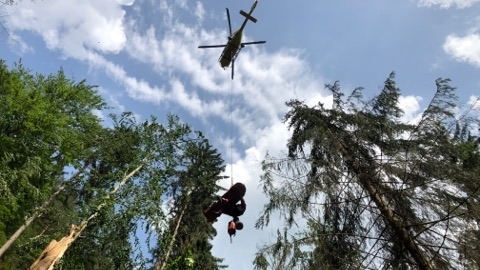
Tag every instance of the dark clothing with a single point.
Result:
(235, 210)
(226, 204)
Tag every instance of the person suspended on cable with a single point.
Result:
(231, 203)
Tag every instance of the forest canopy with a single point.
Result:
(114, 196)
(358, 187)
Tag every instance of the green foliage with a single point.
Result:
(191, 193)
(174, 166)
(157, 151)
(46, 125)
(122, 177)
(373, 191)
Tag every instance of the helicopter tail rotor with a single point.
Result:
(248, 16)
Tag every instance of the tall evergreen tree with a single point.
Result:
(375, 192)
(185, 244)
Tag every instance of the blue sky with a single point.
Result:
(143, 56)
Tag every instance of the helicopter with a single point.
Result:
(234, 44)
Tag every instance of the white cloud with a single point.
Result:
(466, 49)
(99, 114)
(199, 11)
(410, 106)
(17, 44)
(176, 93)
(137, 89)
(263, 80)
(192, 102)
(126, 2)
(474, 102)
(448, 3)
(73, 27)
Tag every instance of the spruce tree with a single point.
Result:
(374, 192)
(185, 244)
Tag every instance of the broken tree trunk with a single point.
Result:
(55, 250)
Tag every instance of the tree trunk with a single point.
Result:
(55, 250)
(366, 176)
(408, 241)
(162, 262)
(35, 215)
(17, 234)
(53, 253)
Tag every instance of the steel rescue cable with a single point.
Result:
(231, 132)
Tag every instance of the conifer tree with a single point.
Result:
(374, 192)
(185, 244)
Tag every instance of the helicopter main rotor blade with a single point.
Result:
(229, 23)
(252, 43)
(211, 46)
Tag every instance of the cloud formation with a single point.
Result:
(474, 103)
(410, 105)
(73, 27)
(448, 3)
(465, 49)
(190, 78)
(462, 48)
